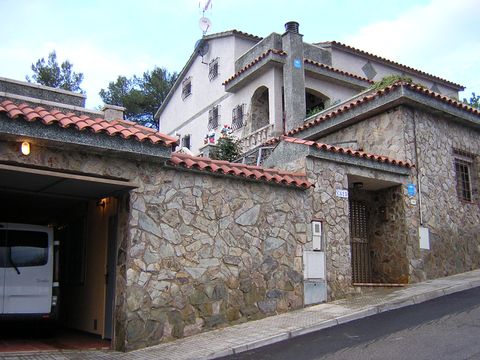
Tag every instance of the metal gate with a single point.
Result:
(361, 266)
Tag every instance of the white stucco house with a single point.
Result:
(262, 88)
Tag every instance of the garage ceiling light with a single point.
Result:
(25, 148)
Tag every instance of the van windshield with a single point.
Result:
(22, 248)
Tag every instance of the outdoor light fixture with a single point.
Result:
(25, 148)
(102, 203)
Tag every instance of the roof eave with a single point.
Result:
(88, 141)
(420, 73)
(398, 95)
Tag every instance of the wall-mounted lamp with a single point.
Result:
(102, 203)
(25, 148)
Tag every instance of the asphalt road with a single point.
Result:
(446, 328)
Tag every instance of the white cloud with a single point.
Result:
(440, 38)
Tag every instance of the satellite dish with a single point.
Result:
(202, 47)
(204, 24)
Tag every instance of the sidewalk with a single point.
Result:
(239, 338)
(254, 334)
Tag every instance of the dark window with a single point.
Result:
(213, 69)
(186, 141)
(186, 87)
(464, 183)
(213, 118)
(23, 248)
(238, 113)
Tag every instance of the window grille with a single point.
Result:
(213, 118)
(186, 87)
(464, 184)
(238, 113)
(465, 174)
(213, 69)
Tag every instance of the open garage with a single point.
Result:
(82, 213)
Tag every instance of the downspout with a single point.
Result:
(417, 165)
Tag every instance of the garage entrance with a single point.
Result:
(83, 212)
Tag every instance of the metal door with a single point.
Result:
(29, 274)
(361, 265)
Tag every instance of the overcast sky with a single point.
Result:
(104, 39)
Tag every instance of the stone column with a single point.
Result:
(293, 77)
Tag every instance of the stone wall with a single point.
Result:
(381, 134)
(454, 224)
(208, 251)
(195, 251)
(427, 141)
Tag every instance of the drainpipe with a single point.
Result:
(419, 175)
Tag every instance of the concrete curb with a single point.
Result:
(394, 304)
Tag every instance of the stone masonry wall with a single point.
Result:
(195, 251)
(454, 224)
(208, 251)
(381, 134)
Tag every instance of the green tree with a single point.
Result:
(61, 76)
(474, 101)
(228, 148)
(141, 96)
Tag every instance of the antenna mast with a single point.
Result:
(205, 22)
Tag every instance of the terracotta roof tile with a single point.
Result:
(338, 71)
(346, 151)
(392, 62)
(240, 170)
(253, 62)
(125, 129)
(373, 95)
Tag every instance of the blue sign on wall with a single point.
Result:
(411, 189)
(297, 63)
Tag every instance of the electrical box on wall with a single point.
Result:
(317, 235)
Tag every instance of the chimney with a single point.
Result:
(292, 26)
(113, 112)
(293, 77)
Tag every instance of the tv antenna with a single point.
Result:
(205, 22)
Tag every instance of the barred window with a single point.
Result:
(464, 163)
(213, 69)
(186, 141)
(213, 117)
(186, 87)
(238, 113)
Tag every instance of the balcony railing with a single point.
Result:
(256, 138)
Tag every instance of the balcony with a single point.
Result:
(256, 138)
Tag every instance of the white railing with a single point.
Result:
(256, 138)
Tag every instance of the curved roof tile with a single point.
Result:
(123, 128)
(240, 170)
(371, 96)
(346, 151)
(253, 62)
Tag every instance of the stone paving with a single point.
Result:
(273, 329)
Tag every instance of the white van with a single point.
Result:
(26, 271)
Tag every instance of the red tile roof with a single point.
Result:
(125, 129)
(323, 66)
(373, 95)
(240, 170)
(391, 62)
(347, 151)
(254, 61)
